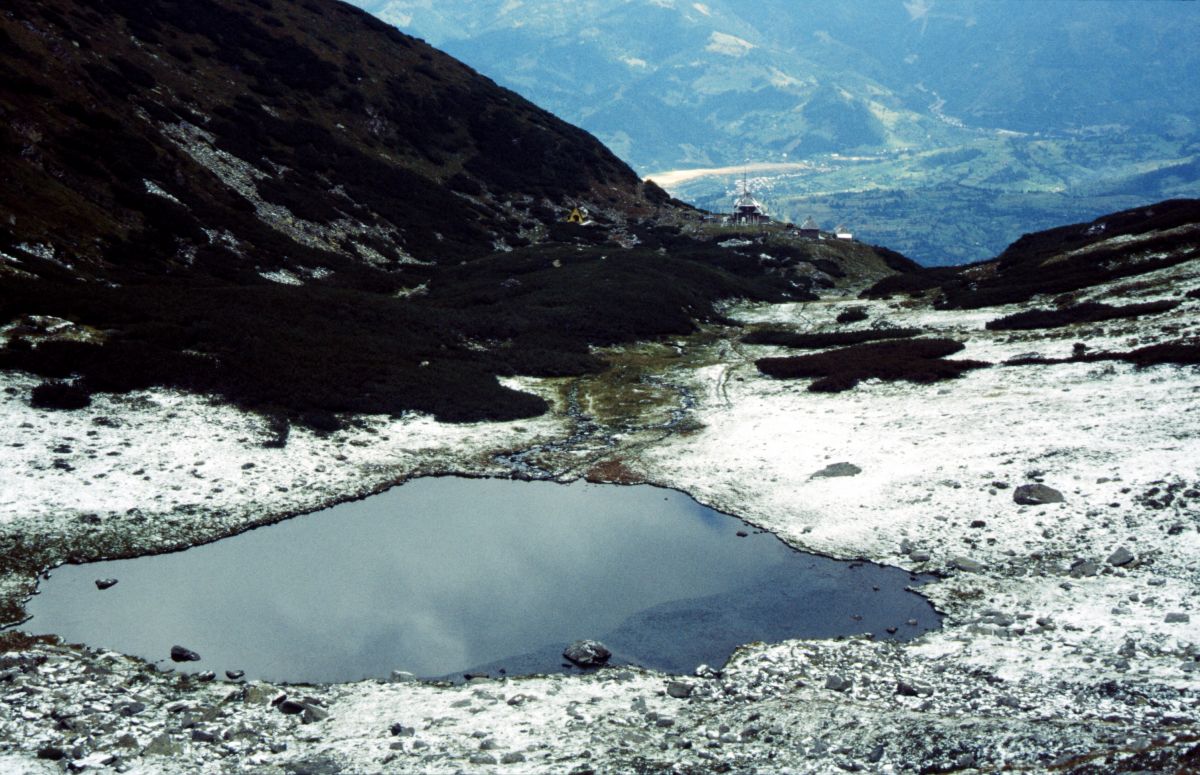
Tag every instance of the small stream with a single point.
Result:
(443, 576)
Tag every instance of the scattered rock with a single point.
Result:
(399, 730)
(920, 555)
(235, 675)
(1120, 557)
(105, 583)
(515, 757)
(587, 653)
(838, 469)
(966, 565)
(1036, 495)
(838, 683)
(291, 707)
(51, 752)
(1177, 617)
(181, 654)
(132, 708)
(163, 745)
(1081, 568)
(483, 758)
(680, 690)
(403, 677)
(201, 736)
(313, 714)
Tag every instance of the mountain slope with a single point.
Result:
(269, 136)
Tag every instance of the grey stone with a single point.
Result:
(906, 546)
(908, 689)
(1036, 495)
(258, 694)
(235, 675)
(313, 714)
(181, 654)
(201, 736)
(837, 683)
(919, 555)
(132, 708)
(515, 757)
(680, 689)
(163, 745)
(399, 730)
(483, 758)
(966, 564)
(1082, 568)
(1177, 617)
(587, 653)
(403, 677)
(837, 469)
(105, 583)
(1121, 556)
(291, 707)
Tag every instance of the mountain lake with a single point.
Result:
(442, 576)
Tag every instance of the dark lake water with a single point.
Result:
(446, 575)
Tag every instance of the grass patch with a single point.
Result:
(819, 341)
(1088, 312)
(918, 360)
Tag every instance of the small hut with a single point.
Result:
(843, 232)
(809, 229)
(747, 209)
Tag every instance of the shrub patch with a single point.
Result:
(1088, 312)
(918, 360)
(818, 341)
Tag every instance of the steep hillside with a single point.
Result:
(236, 138)
(1061, 261)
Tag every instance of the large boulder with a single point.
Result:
(587, 653)
(181, 654)
(1036, 495)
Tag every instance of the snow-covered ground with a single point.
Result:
(1044, 661)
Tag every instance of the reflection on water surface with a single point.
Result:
(444, 575)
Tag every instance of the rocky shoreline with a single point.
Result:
(1068, 645)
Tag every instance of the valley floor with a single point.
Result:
(1057, 652)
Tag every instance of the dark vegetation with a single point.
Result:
(309, 352)
(818, 341)
(1182, 352)
(56, 394)
(852, 315)
(1026, 268)
(1087, 312)
(917, 360)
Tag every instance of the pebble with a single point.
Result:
(105, 583)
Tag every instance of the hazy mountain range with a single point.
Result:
(968, 123)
